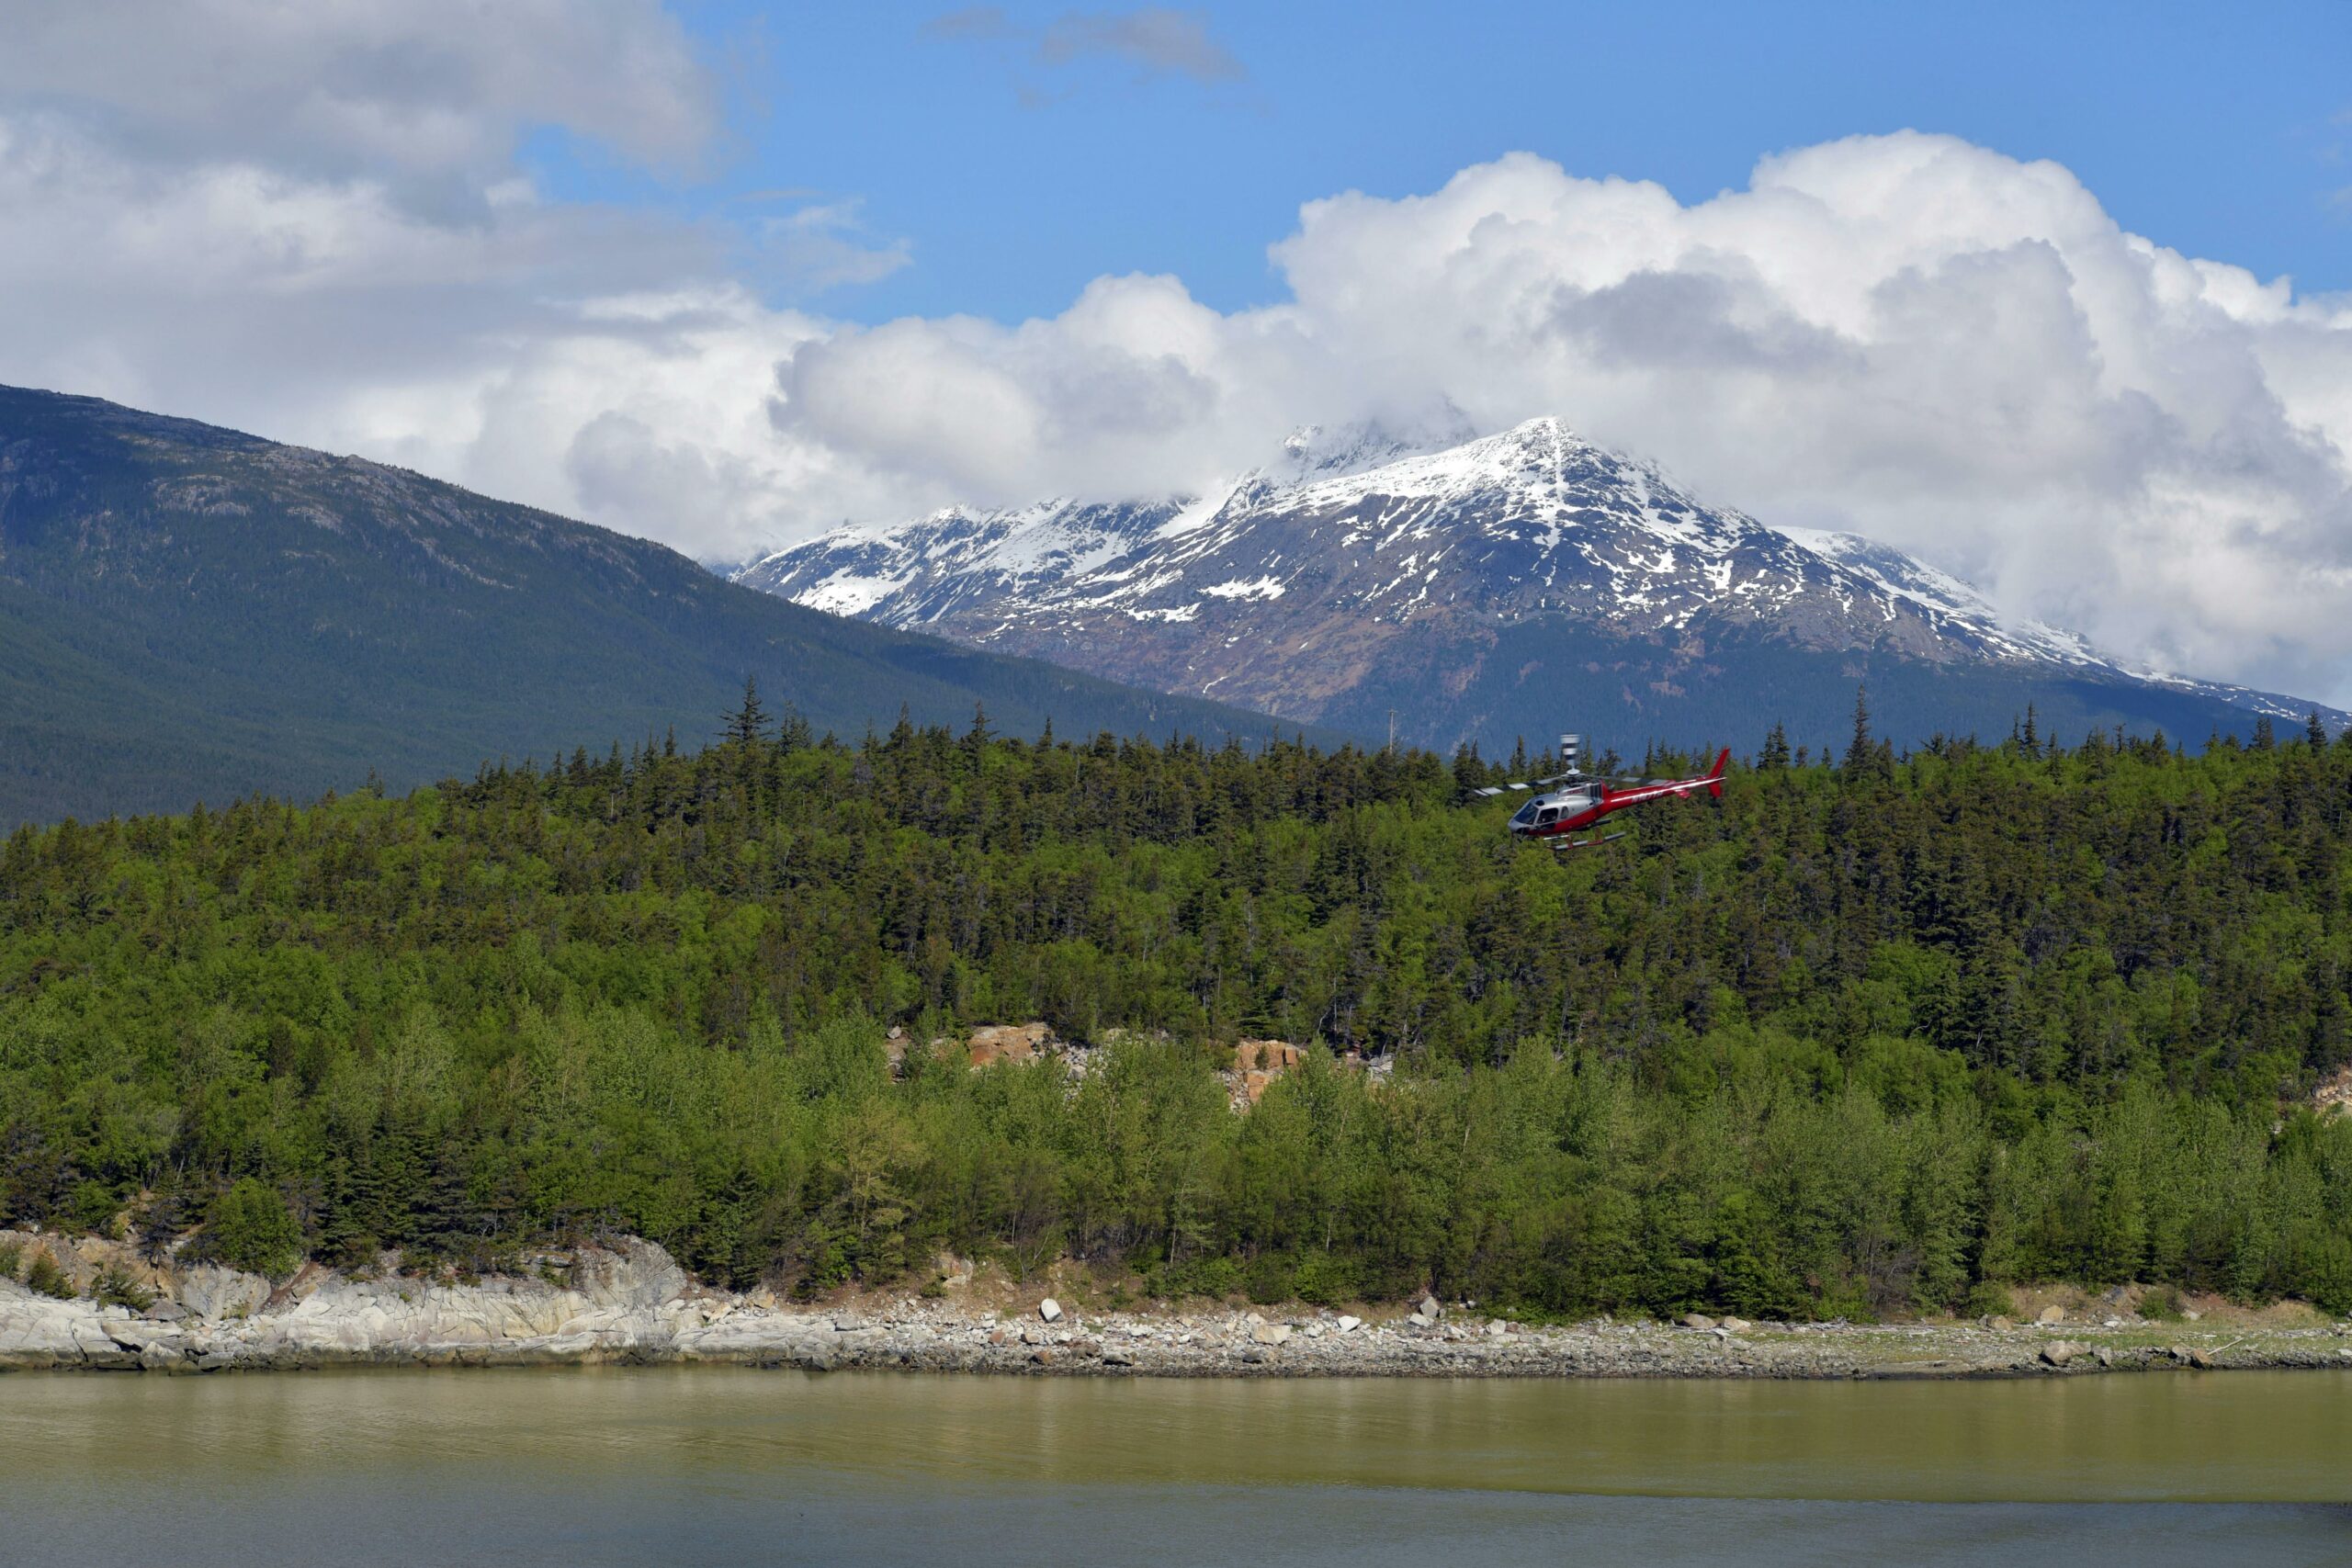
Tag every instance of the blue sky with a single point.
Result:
(2219, 131)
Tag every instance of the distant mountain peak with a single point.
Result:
(1476, 582)
(1317, 451)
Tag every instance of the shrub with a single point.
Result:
(115, 1287)
(1326, 1281)
(1268, 1279)
(1989, 1298)
(2161, 1303)
(1216, 1276)
(48, 1279)
(251, 1228)
(12, 1258)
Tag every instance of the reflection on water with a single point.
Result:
(711, 1464)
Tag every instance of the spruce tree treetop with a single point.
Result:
(748, 722)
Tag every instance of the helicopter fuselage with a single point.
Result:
(1583, 803)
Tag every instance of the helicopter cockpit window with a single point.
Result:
(1526, 816)
(1551, 815)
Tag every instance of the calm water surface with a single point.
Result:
(711, 1465)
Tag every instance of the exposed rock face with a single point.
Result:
(210, 1290)
(636, 1276)
(1009, 1043)
(994, 1042)
(2333, 1097)
(1256, 1064)
(612, 1301)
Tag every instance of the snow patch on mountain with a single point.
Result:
(1261, 588)
(1940, 594)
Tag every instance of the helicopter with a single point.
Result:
(1581, 803)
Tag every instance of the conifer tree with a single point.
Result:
(748, 722)
(1862, 755)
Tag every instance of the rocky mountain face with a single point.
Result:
(190, 613)
(1515, 584)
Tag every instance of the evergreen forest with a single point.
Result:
(1875, 1034)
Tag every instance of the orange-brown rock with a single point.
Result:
(1256, 1064)
(1008, 1042)
(1266, 1057)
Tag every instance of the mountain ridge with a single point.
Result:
(1329, 595)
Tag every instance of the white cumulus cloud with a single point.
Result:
(1905, 336)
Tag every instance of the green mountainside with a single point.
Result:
(190, 613)
(1878, 1037)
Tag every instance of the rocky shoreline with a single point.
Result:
(632, 1304)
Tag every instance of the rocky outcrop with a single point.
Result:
(2333, 1097)
(1015, 1042)
(1006, 1042)
(208, 1291)
(1256, 1064)
(595, 1303)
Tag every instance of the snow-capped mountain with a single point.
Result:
(1504, 585)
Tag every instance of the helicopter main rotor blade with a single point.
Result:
(1493, 790)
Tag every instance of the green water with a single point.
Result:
(706, 1465)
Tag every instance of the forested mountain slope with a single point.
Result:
(190, 613)
(1860, 1038)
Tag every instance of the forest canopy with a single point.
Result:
(1871, 1036)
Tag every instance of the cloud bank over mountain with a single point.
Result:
(1904, 336)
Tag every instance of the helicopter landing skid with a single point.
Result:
(1562, 846)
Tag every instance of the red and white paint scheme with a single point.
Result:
(1580, 803)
